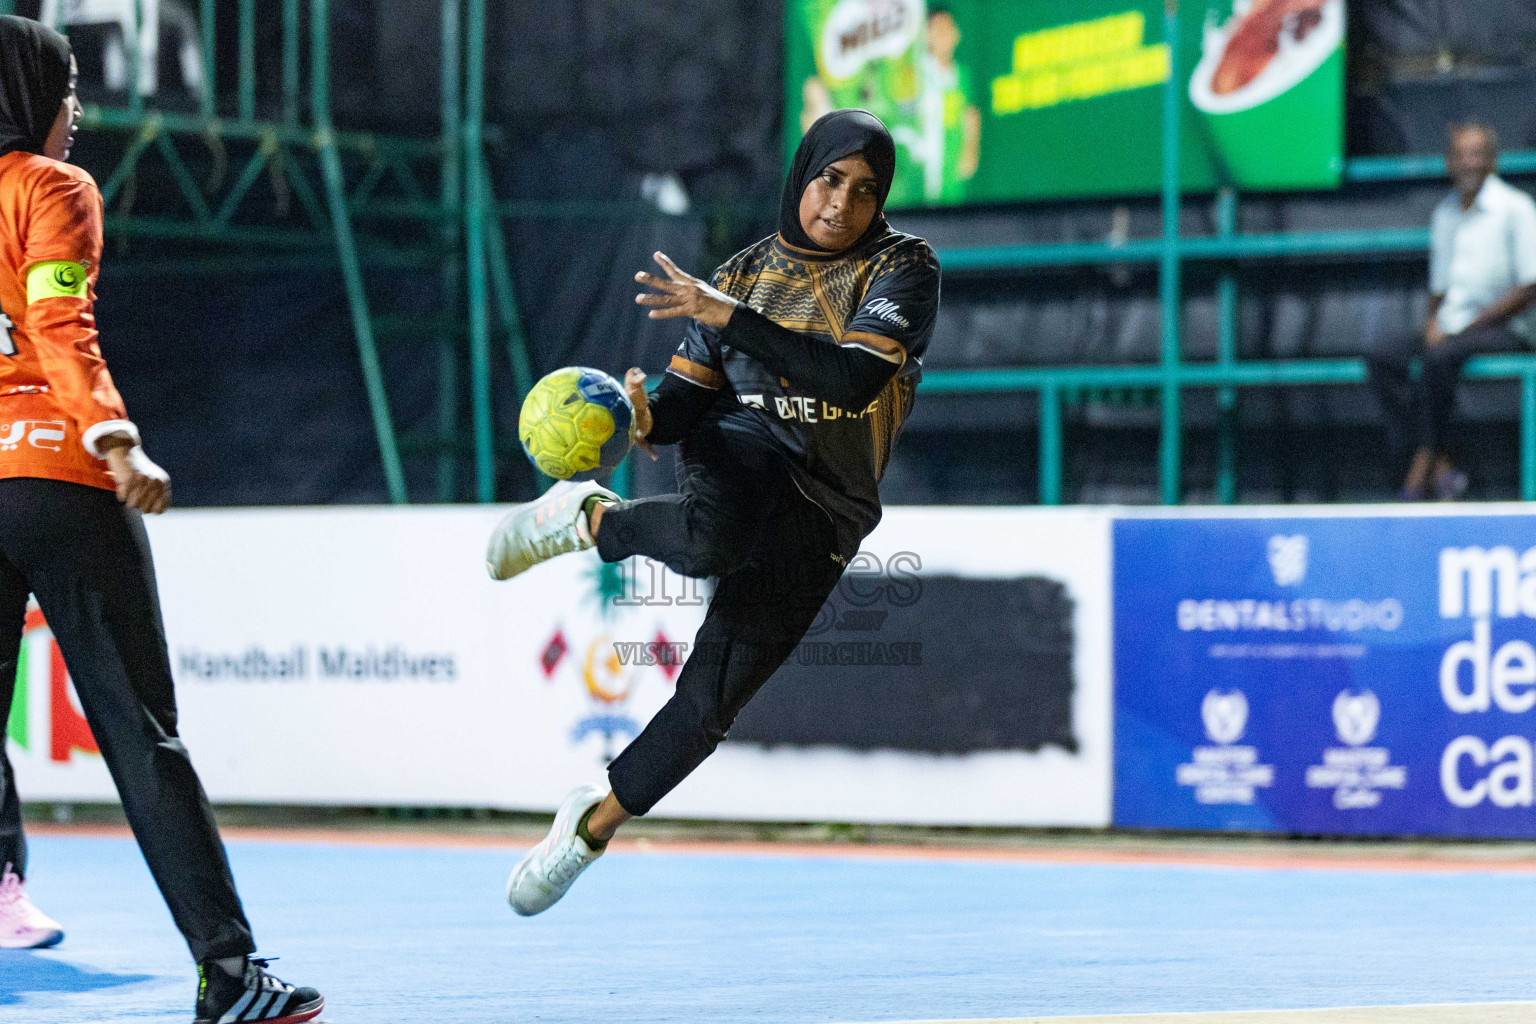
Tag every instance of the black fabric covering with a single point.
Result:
(249, 390)
(87, 560)
(1469, 32)
(675, 406)
(1415, 65)
(34, 79)
(847, 377)
(1417, 412)
(739, 517)
(968, 665)
(834, 136)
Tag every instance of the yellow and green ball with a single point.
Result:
(576, 421)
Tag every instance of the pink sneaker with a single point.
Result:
(23, 926)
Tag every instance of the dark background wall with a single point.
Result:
(249, 390)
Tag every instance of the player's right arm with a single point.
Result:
(694, 379)
(62, 253)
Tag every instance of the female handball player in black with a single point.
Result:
(796, 373)
(71, 533)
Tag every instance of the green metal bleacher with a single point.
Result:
(1171, 376)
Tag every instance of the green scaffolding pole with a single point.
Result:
(475, 207)
(1226, 355)
(131, 48)
(511, 320)
(451, 197)
(1050, 446)
(1528, 435)
(290, 62)
(506, 303)
(346, 248)
(205, 102)
(1169, 468)
(248, 59)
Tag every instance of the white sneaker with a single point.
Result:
(539, 530)
(23, 926)
(549, 869)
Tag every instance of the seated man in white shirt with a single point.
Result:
(1482, 284)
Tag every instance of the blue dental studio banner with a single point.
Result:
(1338, 675)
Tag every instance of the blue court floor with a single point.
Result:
(415, 933)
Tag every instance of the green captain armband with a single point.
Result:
(56, 279)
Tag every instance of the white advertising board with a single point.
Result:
(362, 656)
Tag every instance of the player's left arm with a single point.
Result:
(892, 324)
(63, 252)
(63, 255)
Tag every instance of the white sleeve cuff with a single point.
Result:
(95, 433)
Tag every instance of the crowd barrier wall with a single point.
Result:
(1338, 670)
(960, 675)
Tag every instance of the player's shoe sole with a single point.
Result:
(304, 1013)
(45, 939)
(254, 997)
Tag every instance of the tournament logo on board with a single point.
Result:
(608, 665)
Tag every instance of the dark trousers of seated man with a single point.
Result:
(87, 560)
(740, 518)
(1419, 412)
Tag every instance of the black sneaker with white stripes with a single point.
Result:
(223, 998)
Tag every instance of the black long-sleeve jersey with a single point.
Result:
(822, 360)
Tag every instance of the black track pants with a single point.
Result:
(740, 518)
(1418, 412)
(87, 559)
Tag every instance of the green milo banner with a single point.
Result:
(1005, 100)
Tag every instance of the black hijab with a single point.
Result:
(834, 136)
(34, 80)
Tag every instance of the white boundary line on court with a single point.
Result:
(1028, 855)
(1422, 1013)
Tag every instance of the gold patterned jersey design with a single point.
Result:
(810, 297)
(820, 299)
(788, 301)
(889, 412)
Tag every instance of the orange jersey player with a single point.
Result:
(57, 400)
(66, 445)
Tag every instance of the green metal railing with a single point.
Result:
(1171, 376)
(340, 180)
(370, 197)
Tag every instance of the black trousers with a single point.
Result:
(739, 517)
(1418, 412)
(87, 560)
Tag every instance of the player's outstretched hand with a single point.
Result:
(682, 294)
(634, 384)
(140, 483)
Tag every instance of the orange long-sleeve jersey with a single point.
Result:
(56, 397)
